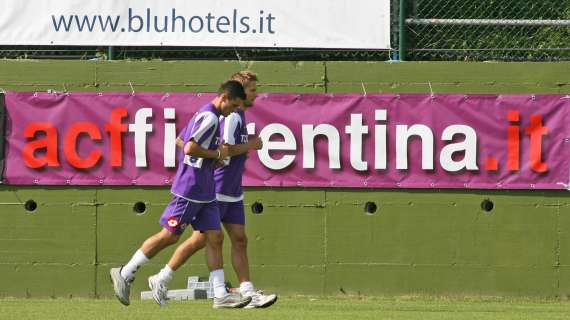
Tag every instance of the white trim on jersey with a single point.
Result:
(231, 124)
(210, 121)
(224, 198)
(192, 200)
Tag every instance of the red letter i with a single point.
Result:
(513, 141)
(536, 131)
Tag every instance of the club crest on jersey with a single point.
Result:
(172, 222)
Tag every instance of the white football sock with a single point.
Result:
(218, 282)
(165, 274)
(246, 287)
(128, 270)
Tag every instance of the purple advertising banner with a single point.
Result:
(310, 140)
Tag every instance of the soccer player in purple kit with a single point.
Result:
(194, 199)
(229, 194)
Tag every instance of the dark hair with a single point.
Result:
(233, 89)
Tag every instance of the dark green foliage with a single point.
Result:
(475, 42)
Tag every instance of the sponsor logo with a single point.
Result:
(173, 222)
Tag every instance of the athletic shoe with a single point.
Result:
(121, 286)
(231, 300)
(260, 300)
(159, 290)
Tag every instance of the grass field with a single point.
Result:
(330, 308)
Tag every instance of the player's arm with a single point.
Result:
(198, 135)
(193, 149)
(231, 126)
(254, 143)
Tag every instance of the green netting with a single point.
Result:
(184, 53)
(490, 34)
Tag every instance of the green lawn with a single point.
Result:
(314, 308)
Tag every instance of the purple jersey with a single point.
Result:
(194, 178)
(228, 178)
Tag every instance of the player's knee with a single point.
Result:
(201, 243)
(198, 242)
(240, 241)
(215, 238)
(170, 238)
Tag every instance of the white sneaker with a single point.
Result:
(159, 290)
(121, 286)
(260, 300)
(231, 300)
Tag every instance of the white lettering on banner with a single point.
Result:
(141, 128)
(289, 144)
(310, 132)
(347, 24)
(356, 130)
(169, 138)
(381, 146)
(469, 146)
(455, 155)
(457, 145)
(403, 134)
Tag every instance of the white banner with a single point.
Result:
(343, 24)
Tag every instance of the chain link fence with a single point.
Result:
(431, 30)
(510, 30)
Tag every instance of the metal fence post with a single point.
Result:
(111, 53)
(402, 41)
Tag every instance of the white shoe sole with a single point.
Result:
(267, 304)
(112, 275)
(236, 305)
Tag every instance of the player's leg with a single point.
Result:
(171, 221)
(222, 299)
(124, 276)
(233, 217)
(185, 216)
(158, 242)
(240, 262)
(158, 283)
(210, 224)
(214, 260)
(186, 249)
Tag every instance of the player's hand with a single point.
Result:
(218, 164)
(224, 152)
(179, 142)
(255, 143)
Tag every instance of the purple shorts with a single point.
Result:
(180, 213)
(232, 212)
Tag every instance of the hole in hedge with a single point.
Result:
(370, 207)
(257, 207)
(31, 206)
(139, 207)
(487, 205)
